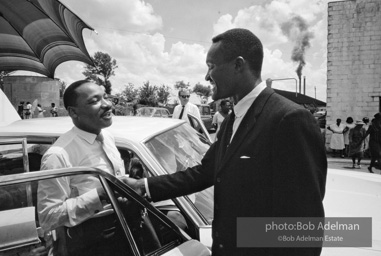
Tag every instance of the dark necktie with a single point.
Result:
(229, 129)
(181, 113)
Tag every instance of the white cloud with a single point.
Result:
(265, 21)
(119, 15)
(130, 31)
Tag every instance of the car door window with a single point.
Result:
(13, 156)
(200, 128)
(125, 226)
(18, 155)
(176, 150)
(148, 228)
(164, 113)
(157, 113)
(137, 170)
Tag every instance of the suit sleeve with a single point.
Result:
(185, 182)
(299, 168)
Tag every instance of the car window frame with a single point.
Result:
(104, 178)
(205, 133)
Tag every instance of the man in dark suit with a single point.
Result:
(274, 165)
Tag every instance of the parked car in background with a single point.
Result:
(206, 116)
(153, 112)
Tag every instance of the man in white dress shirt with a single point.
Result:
(69, 201)
(181, 111)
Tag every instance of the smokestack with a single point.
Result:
(297, 31)
(304, 83)
(300, 84)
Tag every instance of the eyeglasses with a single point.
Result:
(184, 96)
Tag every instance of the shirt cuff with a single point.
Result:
(96, 205)
(146, 187)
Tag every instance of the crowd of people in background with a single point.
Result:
(357, 140)
(28, 110)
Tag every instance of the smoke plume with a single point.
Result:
(297, 31)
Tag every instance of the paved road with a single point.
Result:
(346, 164)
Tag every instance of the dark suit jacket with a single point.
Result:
(282, 174)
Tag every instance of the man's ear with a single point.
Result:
(72, 112)
(240, 63)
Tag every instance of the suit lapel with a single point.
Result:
(247, 125)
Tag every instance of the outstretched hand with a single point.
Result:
(137, 185)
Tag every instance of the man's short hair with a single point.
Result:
(223, 102)
(70, 96)
(242, 42)
(184, 90)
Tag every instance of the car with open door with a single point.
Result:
(159, 145)
(129, 224)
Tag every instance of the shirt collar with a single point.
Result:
(244, 104)
(89, 137)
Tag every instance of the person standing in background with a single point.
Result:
(53, 110)
(20, 109)
(28, 110)
(349, 124)
(40, 111)
(219, 116)
(337, 137)
(181, 111)
(366, 140)
(374, 132)
(356, 143)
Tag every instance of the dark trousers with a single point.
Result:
(96, 236)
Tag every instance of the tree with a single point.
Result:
(180, 84)
(62, 87)
(163, 93)
(102, 71)
(2, 75)
(202, 90)
(148, 94)
(128, 94)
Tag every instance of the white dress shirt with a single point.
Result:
(241, 108)
(189, 108)
(68, 201)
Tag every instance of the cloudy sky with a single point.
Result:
(164, 41)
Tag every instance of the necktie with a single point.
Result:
(229, 129)
(113, 164)
(181, 113)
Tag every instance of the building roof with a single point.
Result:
(300, 98)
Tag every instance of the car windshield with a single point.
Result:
(146, 111)
(178, 149)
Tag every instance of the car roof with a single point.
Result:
(152, 108)
(137, 128)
